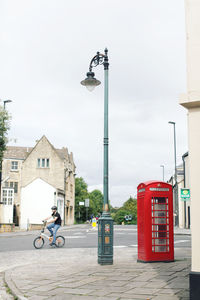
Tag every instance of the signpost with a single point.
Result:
(87, 204)
(185, 194)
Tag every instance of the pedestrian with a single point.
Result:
(55, 224)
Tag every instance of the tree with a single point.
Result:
(120, 214)
(128, 208)
(96, 202)
(81, 193)
(4, 127)
(131, 205)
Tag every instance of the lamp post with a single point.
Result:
(4, 107)
(175, 177)
(163, 167)
(105, 222)
(4, 103)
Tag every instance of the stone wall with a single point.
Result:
(7, 227)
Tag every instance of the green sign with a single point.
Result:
(185, 194)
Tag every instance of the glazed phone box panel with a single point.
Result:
(155, 222)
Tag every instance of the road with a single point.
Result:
(81, 237)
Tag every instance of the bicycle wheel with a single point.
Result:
(60, 241)
(38, 242)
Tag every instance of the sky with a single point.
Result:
(45, 50)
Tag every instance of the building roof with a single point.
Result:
(13, 152)
(63, 153)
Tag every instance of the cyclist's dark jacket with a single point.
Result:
(57, 215)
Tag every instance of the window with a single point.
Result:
(12, 185)
(10, 194)
(14, 165)
(47, 162)
(4, 197)
(7, 197)
(38, 164)
(43, 162)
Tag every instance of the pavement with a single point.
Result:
(75, 274)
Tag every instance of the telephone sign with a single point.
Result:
(185, 193)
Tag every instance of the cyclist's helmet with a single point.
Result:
(54, 207)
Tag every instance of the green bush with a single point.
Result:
(128, 208)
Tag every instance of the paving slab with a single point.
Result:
(75, 274)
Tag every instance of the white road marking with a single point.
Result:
(75, 237)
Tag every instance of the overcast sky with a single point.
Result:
(45, 50)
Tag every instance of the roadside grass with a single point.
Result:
(8, 291)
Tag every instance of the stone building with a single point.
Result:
(191, 101)
(182, 182)
(39, 177)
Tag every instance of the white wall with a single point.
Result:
(7, 209)
(7, 213)
(37, 198)
(194, 150)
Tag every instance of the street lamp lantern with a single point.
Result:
(90, 82)
(105, 222)
(6, 101)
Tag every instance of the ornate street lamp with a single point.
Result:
(105, 223)
(4, 103)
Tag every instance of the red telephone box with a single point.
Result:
(155, 221)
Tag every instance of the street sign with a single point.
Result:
(128, 218)
(185, 194)
(87, 202)
(81, 203)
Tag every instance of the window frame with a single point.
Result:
(14, 165)
(43, 163)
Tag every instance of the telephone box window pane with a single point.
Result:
(162, 234)
(159, 220)
(160, 241)
(160, 248)
(159, 213)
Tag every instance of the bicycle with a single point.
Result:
(39, 241)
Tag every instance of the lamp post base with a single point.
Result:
(105, 239)
(194, 285)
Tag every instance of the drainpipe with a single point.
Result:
(184, 181)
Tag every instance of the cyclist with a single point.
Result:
(55, 224)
